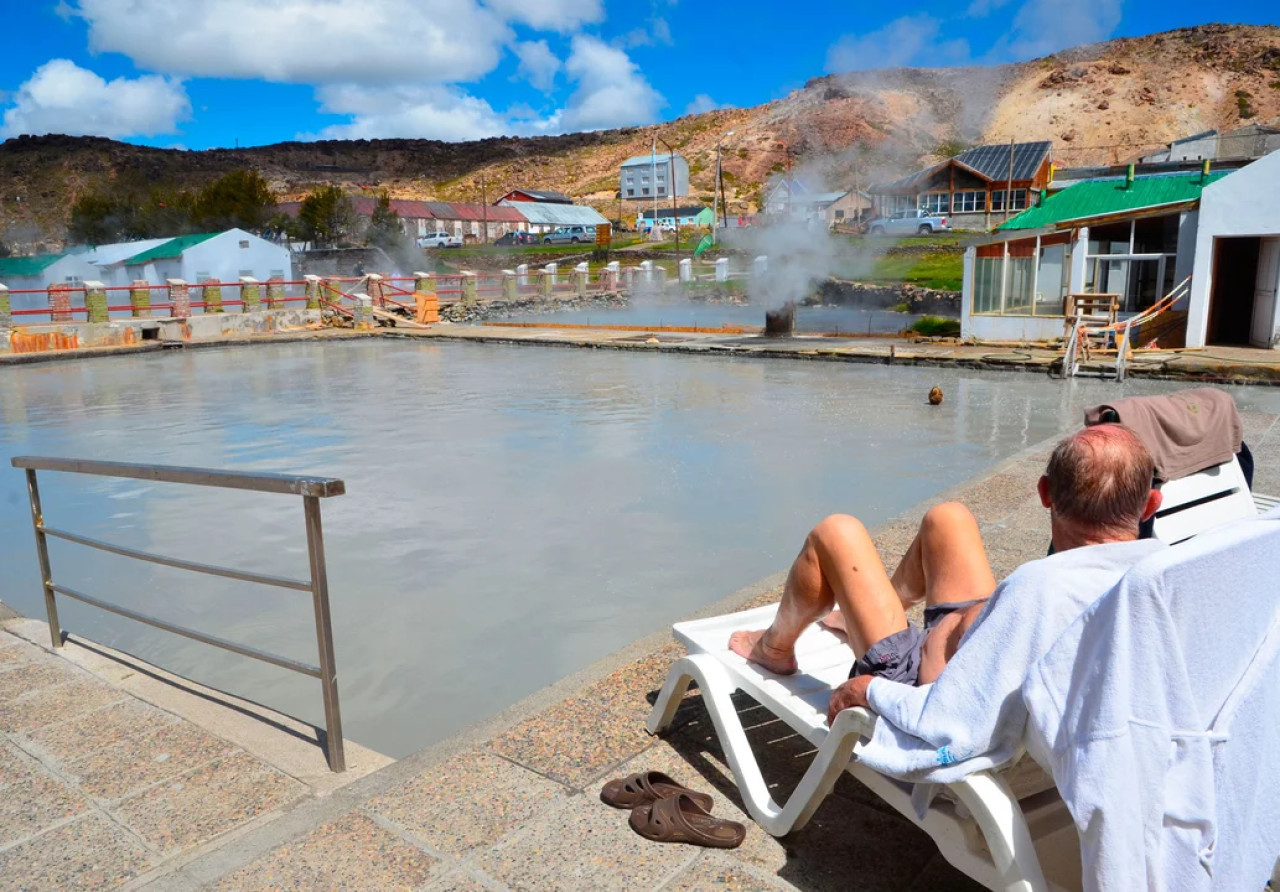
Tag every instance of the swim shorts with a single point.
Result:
(896, 657)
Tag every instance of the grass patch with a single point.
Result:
(936, 326)
(900, 308)
(940, 271)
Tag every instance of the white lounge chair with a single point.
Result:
(1006, 829)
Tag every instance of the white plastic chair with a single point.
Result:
(1006, 829)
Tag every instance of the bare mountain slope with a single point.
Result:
(1104, 103)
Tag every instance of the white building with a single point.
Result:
(37, 273)
(1237, 260)
(654, 176)
(224, 256)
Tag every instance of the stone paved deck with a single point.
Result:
(101, 790)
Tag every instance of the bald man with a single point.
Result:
(1097, 488)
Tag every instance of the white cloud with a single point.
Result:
(538, 64)
(1041, 27)
(429, 112)
(611, 90)
(62, 97)
(306, 41)
(910, 40)
(549, 15)
(703, 103)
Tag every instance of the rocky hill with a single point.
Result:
(1105, 103)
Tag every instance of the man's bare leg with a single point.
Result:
(838, 565)
(946, 562)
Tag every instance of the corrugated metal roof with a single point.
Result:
(492, 213)
(1097, 198)
(687, 211)
(169, 250)
(543, 195)
(27, 266)
(105, 255)
(992, 162)
(540, 214)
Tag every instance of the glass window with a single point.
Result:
(1156, 235)
(986, 284)
(1017, 287)
(631, 192)
(1052, 279)
(968, 202)
(839, 215)
(646, 190)
(935, 202)
(1019, 200)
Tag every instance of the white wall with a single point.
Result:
(1246, 203)
(1012, 328)
(228, 256)
(73, 266)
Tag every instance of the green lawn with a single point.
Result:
(943, 271)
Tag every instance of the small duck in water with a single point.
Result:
(935, 396)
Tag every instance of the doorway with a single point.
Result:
(1235, 276)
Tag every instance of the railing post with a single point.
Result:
(60, 303)
(42, 552)
(509, 288)
(211, 294)
(376, 294)
(140, 298)
(250, 294)
(468, 285)
(548, 282)
(581, 277)
(324, 634)
(313, 292)
(95, 301)
(179, 299)
(275, 293)
(6, 311)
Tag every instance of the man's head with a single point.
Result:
(1098, 485)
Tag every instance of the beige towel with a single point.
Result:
(1186, 431)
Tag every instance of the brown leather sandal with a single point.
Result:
(645, 787)
(680, 819)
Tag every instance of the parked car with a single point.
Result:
(516, 238)
(919, 222)
(564, 235)
(439, 240)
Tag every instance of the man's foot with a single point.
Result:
(753, 647)
(834, 622)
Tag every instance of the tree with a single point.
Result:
(164, 212)
(97, 219)
(326, 216)
(239, 199)
(949, 148)
(385, 229)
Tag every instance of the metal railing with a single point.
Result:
(311, 489)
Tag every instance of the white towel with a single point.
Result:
(972, 717)
(1158, 714)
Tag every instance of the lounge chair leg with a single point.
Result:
(717, 690)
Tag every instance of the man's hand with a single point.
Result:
(852, 693)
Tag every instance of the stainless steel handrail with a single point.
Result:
(311, 489)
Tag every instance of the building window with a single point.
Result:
(1019, 200)
(244, 243)
(631, 192)
(935, 202)
(202, 276)
(1134, 260)
(839, 215)
(646, 191)
(972, 202)
(1026, 277)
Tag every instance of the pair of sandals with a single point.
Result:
(664, 810)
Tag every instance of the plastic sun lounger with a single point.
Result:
(1006, 829)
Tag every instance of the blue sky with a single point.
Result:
(207, 73)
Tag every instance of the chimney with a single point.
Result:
(1204, 171)
(1128, 177)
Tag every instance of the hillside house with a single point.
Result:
(693, 215)
(542, 196)
(785, 194)
(1250, 142)
(653, 176)
(970, 188)
(1132, 236)
(543, 217)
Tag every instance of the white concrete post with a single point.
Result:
(522, 275)
(363, 317)
(722, 269)
(581, 276)
(760, 265)
(646, 269)
(686, 270)
(509, 289)
(613, 265)
(553, 269)
(6, 311)
(609, 278)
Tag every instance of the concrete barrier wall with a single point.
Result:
(126, 332)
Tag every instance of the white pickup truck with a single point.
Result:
(439, 240)
(919, 222)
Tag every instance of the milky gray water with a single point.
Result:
(512, 513)
(682, 312)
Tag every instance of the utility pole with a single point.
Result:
(1008, 189)
(717, 191)
(653, 175)
(671, 186)
(484, 205)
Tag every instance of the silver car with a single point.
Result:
(569, 235)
